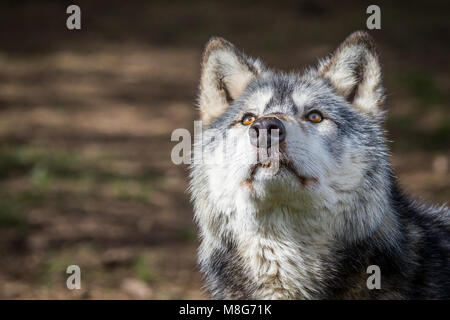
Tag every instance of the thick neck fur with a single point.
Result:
(284, 252)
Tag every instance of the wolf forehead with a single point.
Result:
(295, 95)
(290, 94)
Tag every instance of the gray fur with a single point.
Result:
(311, 229)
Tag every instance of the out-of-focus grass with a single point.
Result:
(187, 235)
(37, 167)
(11, 214)
(13, 211)
(144, 270)
(426, 126)
(410, 136)
(36, 161)
(53, 267)
(131, 190)
(31, 176)
(422, 86)
(44, 168)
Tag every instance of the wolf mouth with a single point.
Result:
(284, 163)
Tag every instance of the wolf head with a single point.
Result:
(331, 169)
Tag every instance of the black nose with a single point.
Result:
(269, 124)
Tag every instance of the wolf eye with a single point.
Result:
(314, 116)
(248, 119)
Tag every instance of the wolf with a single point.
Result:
(310, 224)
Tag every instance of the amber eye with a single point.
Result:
(315, 117)
(248, 119)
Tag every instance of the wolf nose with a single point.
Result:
(269, 124)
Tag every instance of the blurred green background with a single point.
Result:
(86, 117)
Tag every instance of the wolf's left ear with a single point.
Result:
(355, 73)
(225, 74)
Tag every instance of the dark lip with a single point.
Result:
(287, 164)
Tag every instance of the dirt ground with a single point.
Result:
(86, 118)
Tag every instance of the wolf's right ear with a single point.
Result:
(225, 74)
(354, 71)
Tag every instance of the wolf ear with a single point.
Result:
(225, 74)
(355, 73)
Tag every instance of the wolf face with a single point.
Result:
(291, 166)
(330, 117)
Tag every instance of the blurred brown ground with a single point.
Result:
(86, 118)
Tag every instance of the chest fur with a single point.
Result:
(283, 268)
